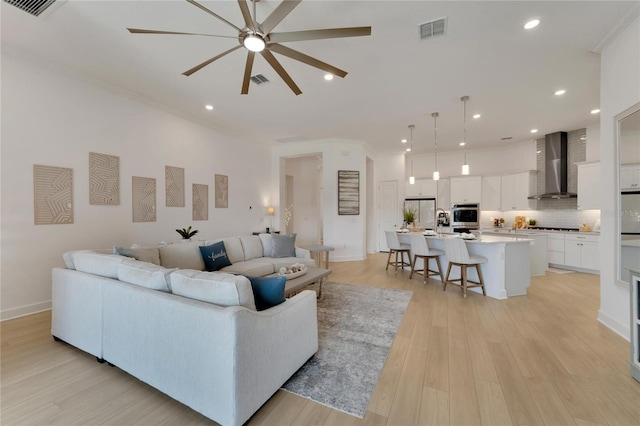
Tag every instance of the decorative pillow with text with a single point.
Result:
(215, 256)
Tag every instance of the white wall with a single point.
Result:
(619, 90)
(55, 117)
(307, 192)
(593, 143)
(345, 233)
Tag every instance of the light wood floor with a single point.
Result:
(536, 359)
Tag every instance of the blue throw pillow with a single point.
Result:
(215, 256)
(283, 245)
(268, 291)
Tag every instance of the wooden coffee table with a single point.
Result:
(313, 275)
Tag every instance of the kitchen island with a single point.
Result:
(507, 271)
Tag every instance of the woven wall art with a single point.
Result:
(200, 202)
(144, 199)
(174, 183)
(52, 195)
(104, 179)
(222, 191)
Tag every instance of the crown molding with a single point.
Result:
(623, 23)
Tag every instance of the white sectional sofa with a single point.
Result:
(222, 359)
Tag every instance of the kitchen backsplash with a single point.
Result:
(570, 218)
(576, 152)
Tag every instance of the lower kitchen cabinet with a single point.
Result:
(555, 249)
(581, 251)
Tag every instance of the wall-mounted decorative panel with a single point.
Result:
(174, 183)
(222, 191)
(144, 199)
(200, 202)
(348, 192)
(52, 195)
(104, 179)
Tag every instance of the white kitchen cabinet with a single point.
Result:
(466, 189)
(581, 251)
(589, 191)
(555, 249)
(422, 188)
(629, 177)
(443, 200)
(516, 188)
(491, 193)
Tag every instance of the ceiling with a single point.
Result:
(395, 79)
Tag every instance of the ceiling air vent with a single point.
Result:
(259, 79)
(34, 7)
(434, 28)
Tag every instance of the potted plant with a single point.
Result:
(186, 233)
(409, 215)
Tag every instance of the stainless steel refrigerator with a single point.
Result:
(630, 213)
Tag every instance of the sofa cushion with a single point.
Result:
(267, 244)
(213, 287)
(268, 291)
(181, 255)
(68, 256)
(283, 245)
(144, 254)
(234, 249)
(215, 256)
(255, 267)
(105, 265)
(144, 274)
(252, 247)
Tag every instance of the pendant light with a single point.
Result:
(412, 178)
(436, 173)
(465, 166)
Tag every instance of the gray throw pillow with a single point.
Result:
(283, 245)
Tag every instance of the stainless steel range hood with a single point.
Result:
(555, 168)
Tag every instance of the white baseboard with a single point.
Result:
(623, 330)
(22, 311)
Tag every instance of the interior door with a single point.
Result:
(387, 211)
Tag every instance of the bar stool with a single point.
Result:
(458, 255)
(420, 249)
(395, 246)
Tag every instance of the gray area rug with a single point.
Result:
(356, 328)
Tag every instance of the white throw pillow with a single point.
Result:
(234, 249)
(252, 247)
(213, 287)
(267, 244)
(144, 274)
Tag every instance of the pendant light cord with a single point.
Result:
(435, 138)
(464, 101)
(411, 126)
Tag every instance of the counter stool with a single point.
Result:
(458, 255)
(395, 246)
(420, 249)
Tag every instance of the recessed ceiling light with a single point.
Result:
(403, 141)
(534, 130)
(462, 144)
(595, 111)
(560, 92)
(531, 24)
(209, 107)
(328, 77)
(408, 149)
(476, 116)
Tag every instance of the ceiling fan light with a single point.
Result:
(436, 175)
(465, 169)
(254, 43)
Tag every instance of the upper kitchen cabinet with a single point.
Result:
(466, 189)
(516, 189)
(491, 193)
(422, 188)
(589, 191)
(629, 177)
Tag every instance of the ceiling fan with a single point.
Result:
(258, 37)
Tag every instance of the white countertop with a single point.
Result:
(484, 239)
(537, 231)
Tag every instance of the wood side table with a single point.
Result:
(318, 250)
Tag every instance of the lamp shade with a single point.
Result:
(271, 211)
(436, 175)
(412, 180)
(465, 169)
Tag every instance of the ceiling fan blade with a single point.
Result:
(279, 14)
(205, 63)
(247, 73)
(319, 34)
(244, 8)
(141, 31)
(298, 56)
(198, 5)
(268, 56)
